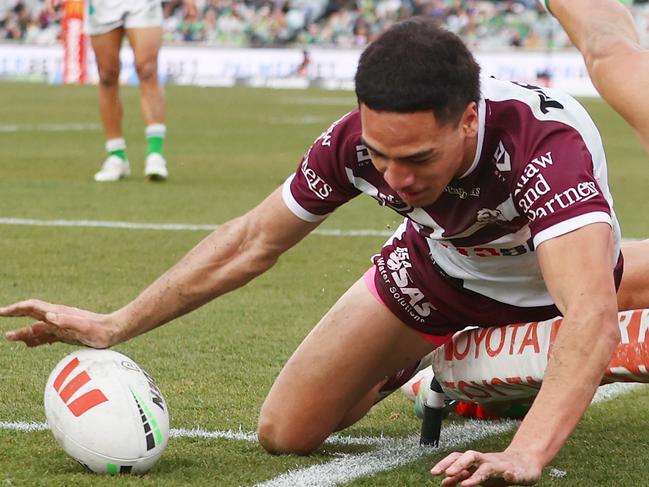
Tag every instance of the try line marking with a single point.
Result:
(388, 453)
(172, 226)
(333, 232)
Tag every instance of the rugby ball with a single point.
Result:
(106, 412)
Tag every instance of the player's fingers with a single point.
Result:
(31, 307)
(446, 462)
(33, 335)
(456, 479)
(487, 475)
(465, 461)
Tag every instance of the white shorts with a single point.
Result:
(102, 16)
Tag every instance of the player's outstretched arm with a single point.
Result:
(605, 33)
(232, 255)
(577, 268)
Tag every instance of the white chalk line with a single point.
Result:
(338, 439)
(402, 451)
(333, 232)
(389, 453)
(173, 226)
(50, 127)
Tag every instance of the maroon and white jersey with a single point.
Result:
(539, 172)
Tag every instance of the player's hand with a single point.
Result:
(58, 323)
(473, 468)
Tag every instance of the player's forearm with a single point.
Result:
(582, 351)
(593, 24)
(225, 260)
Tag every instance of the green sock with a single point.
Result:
(155, 137)
(116, 147)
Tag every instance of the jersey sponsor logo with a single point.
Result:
(545, 101)
(392, 201)
(502, 158)
(492, 251)
(317, 185)
(462, 193)
(325, 137)
(395, 270)
(363, 155)
(582, 192)
(486, 215)
(533, 169)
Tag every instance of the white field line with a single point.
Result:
(389, 453)
(171, 226)
(398, 452)
(333, 232)
(50, 127)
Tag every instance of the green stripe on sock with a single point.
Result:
(121, 153)
(154, 144)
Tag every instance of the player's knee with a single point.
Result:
(281, 437)
(147, 70)
(108, 76)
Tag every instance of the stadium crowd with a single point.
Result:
(483, 24)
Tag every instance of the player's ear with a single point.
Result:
(469, 120)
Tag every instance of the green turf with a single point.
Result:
(227, 148)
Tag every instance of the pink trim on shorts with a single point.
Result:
(368, 278)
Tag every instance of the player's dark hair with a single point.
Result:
(418, 65)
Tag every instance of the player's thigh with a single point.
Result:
(106, 47)
(357, 343)
(634, 288)
(146, 43)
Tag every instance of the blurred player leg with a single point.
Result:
(146, 43)
(332, 377)
(106, 47)
(605, 33)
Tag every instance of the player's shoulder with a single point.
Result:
(341, 134)
(528, 121)
(512, 103)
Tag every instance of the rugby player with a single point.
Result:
(507, 218)
(140, 21)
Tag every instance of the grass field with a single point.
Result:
(227, 149)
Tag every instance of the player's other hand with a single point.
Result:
(58, 323)
(473, 468)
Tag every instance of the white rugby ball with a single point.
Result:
(106, 412)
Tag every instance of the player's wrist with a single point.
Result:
(533, 455)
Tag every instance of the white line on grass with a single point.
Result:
(333, 232)
(389, 453)
(33, 426)
(170, 226)
(50, 127)
(398, 452)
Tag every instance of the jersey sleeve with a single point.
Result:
(557, 190)
(321, 184)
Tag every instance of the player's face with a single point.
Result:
(418, 157)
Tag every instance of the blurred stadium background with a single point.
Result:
(308, 42)
(67, 239)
